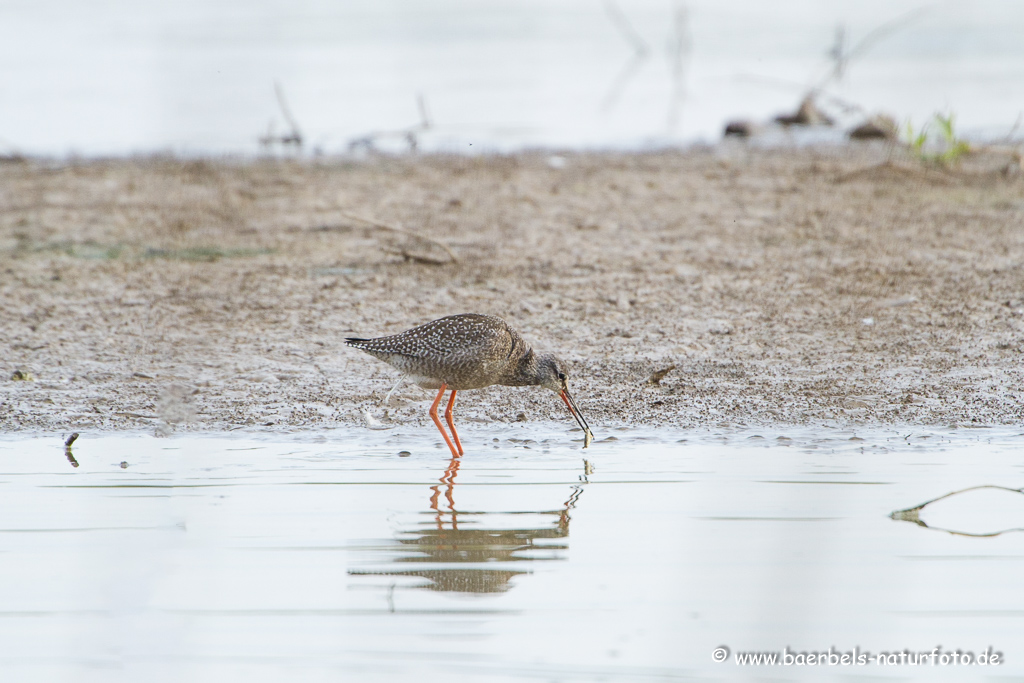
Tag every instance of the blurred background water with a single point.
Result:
(198, 76)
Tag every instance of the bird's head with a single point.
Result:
(553, 375)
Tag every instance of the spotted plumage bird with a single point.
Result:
(470, 351)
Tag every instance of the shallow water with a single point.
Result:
(333, 557)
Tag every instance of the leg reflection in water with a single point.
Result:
(474, 551)
(448, 478)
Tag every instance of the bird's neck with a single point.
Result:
(524, 372)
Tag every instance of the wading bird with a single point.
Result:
(470, 351)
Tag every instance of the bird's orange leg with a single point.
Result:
(437, 420)
(451, 421)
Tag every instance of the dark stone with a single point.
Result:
(878, 127)
(740, 129)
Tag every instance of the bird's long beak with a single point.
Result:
(575, 410)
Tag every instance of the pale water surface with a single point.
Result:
(335, 556)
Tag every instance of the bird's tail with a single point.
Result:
(355, 341)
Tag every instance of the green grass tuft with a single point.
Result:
(944, 149)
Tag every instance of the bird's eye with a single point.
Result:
(561, 376)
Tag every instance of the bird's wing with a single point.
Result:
(455, 339)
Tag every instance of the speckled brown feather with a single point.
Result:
(465, 351)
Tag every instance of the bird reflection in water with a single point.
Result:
(457, 550)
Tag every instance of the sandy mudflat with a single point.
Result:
(786, 287)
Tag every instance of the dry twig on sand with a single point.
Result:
(419, 258)
(889, 166)
(655, 377)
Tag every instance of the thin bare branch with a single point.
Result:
(294, 137)
(914, 514)
(626, 29)
(641, 52)
(410, 135)
(842, 57)
(885, 30)
(679, 57)
(421, 102)
(296, 134)
(1013, 129)
(621, 81)
(953, 493)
